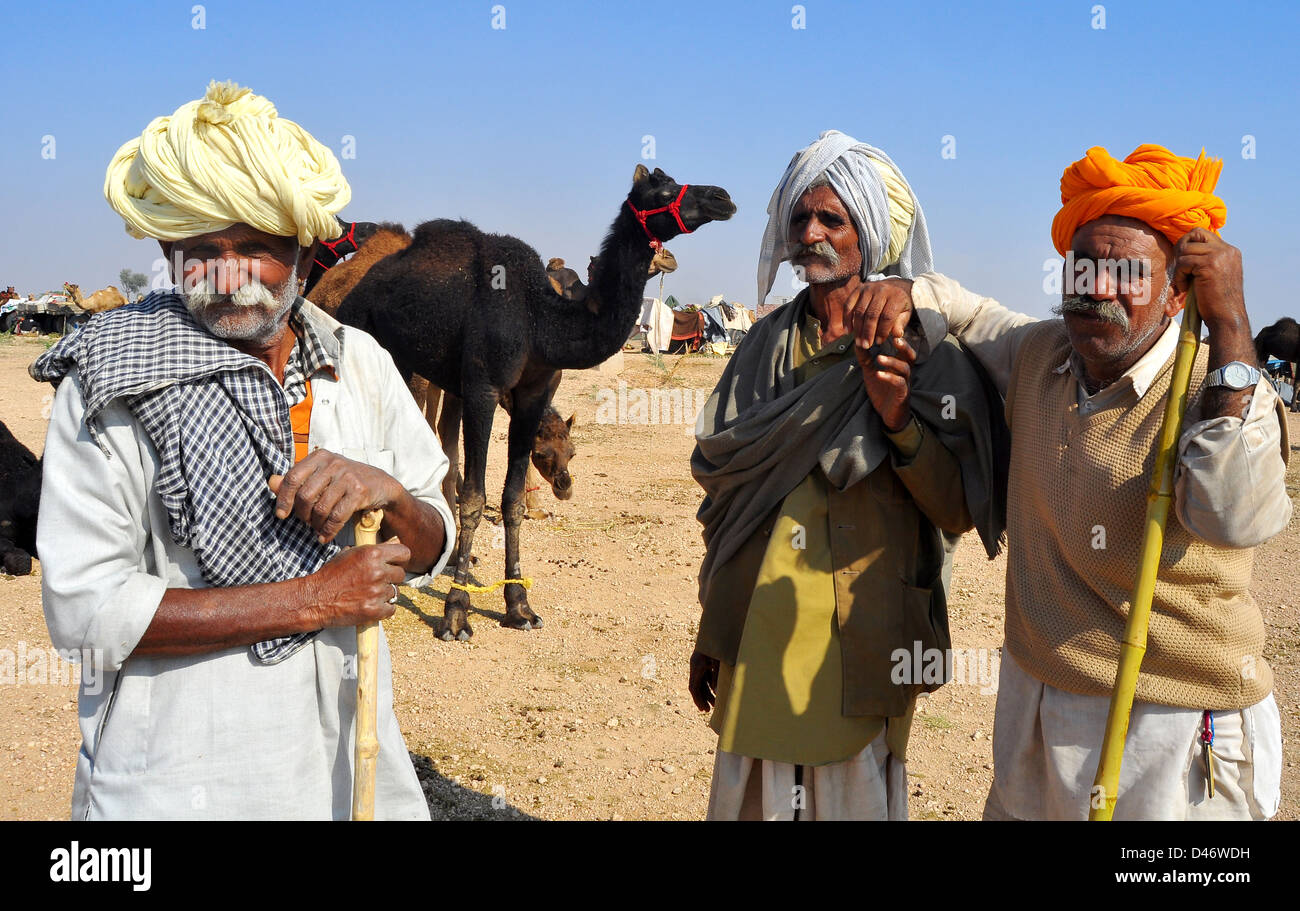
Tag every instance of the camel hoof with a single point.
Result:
(16, 562)
(455, 627)
(521, 620)
(537, 514)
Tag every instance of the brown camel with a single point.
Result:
(567, 284)
(328, 292)
(552, 449)
(476, 315)
(104, 299)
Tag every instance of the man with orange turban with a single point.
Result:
(1084, 402)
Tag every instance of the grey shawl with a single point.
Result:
(759, 435)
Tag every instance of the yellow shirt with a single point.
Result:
(782, 700)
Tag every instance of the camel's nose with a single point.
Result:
(562, 486)
(721, 204)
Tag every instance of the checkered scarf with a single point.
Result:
(219, 421)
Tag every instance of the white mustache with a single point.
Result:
(251, 294)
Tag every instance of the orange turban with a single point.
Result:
(1170, 193)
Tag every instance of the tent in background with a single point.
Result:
(733, 319)
(655, 324)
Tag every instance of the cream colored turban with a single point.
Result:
(225, 159)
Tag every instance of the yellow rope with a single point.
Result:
(479, 589)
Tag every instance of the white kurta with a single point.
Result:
(218, 735)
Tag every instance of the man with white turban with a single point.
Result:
(1085, 399)
(831, 482)
(206, 452)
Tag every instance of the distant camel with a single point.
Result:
(104, 299)
(552, 449)
(476, 314)
(565, 281)
(567, 284)
(1282, 341)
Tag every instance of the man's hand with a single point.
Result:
(1215, 265)
(703, 681)
(357, 585)
(879, 310)
(888, 382)
(326, 490)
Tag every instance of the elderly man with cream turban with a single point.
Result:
(835, 485)
(1084, 401)
(206, 451)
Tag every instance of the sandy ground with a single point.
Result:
(589, 717)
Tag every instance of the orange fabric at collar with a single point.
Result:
(300, 418)
(1170, 193)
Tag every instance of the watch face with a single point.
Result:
(1236, 375)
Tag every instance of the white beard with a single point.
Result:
(260, 309)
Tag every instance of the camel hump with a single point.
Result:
(440, 230)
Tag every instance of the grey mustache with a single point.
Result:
(1106, 311)
(822, 248)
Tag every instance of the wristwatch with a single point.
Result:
(1235, 375)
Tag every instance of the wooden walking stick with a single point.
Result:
(366, 753)
(1105, 787)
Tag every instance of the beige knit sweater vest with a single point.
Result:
(1076, 511)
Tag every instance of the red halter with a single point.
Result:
(675, 207)
(333, 245)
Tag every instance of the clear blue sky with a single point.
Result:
(535, 129)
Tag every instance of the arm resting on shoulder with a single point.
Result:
(991, 331)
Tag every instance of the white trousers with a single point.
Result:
(869, 786)
(1047, 742)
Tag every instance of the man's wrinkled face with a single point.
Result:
(239, 283)
(1117, 293)
(824, 241)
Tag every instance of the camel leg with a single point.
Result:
(431, 401)
(479, 409)
(533, 483)
(448, 430)
(526, 416)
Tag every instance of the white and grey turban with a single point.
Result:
(891, 226)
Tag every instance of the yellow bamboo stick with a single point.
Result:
(1105, 787)
(367, 741)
